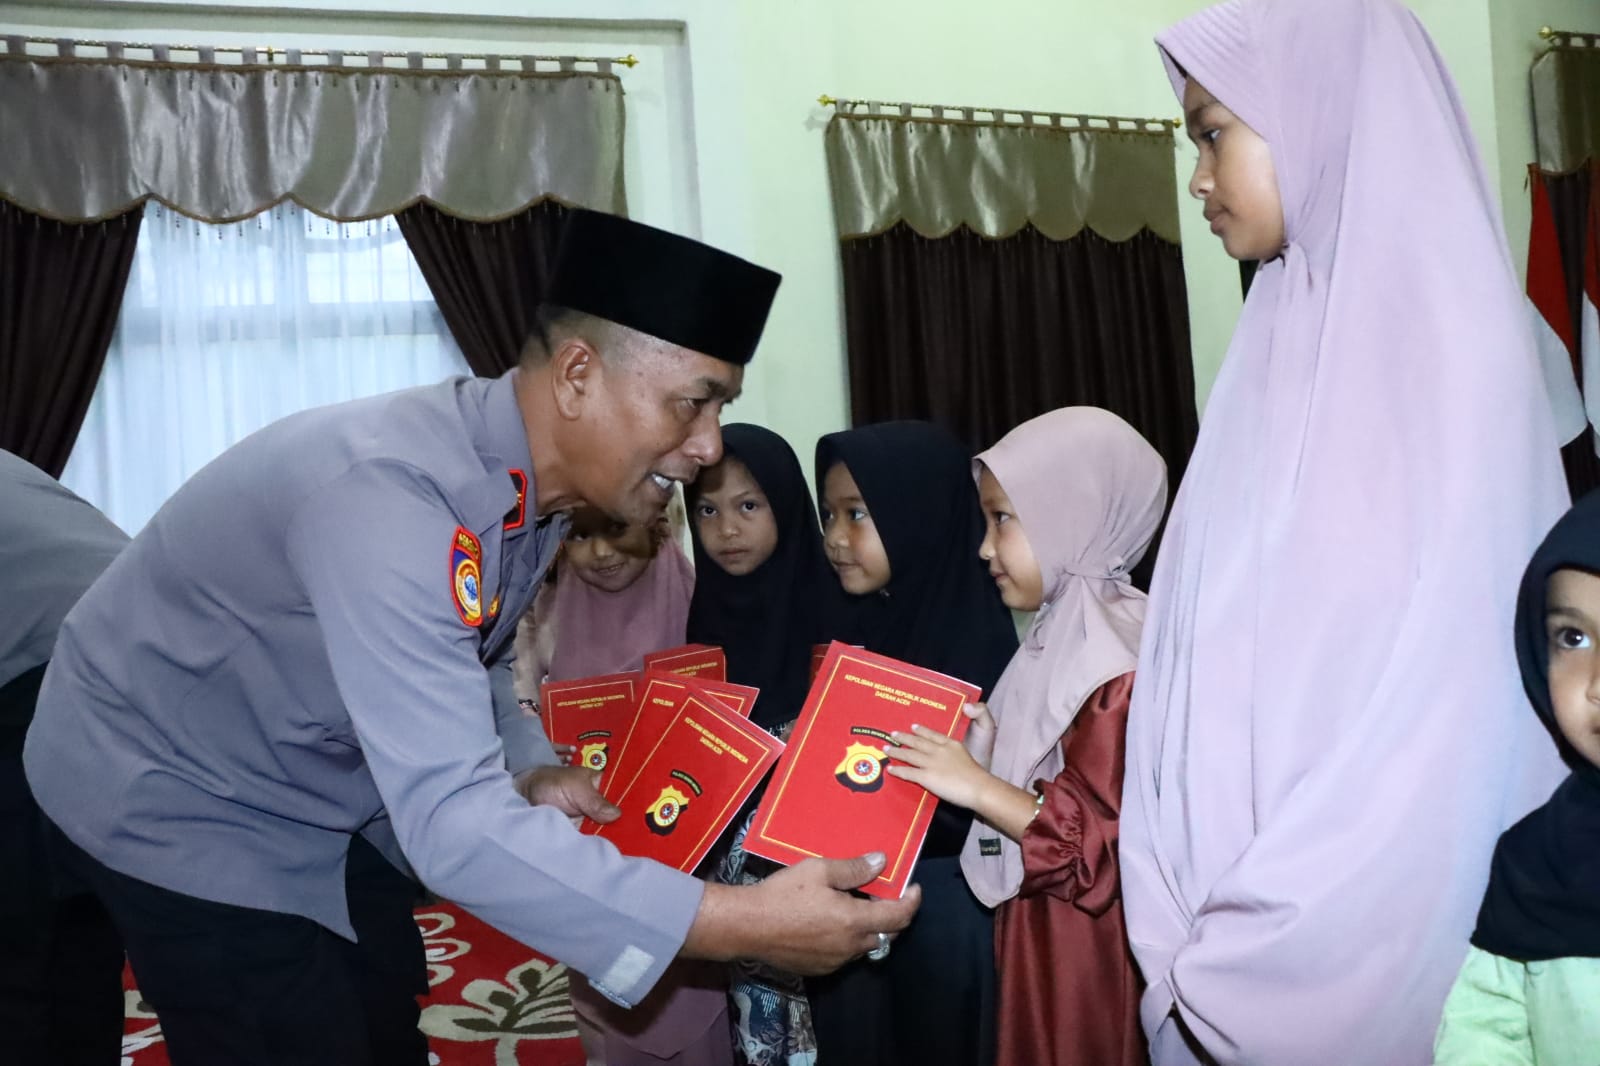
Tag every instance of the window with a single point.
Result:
(225, 329)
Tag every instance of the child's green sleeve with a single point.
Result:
(1485, 1019)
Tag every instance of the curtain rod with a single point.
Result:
(1002, 115)
(67, 47)
(1567, 37)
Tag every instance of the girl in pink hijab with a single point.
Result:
(1326, 738)
(622, 592)
(1071, 500)
(615, 594)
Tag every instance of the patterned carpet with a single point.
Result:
(492, 1001)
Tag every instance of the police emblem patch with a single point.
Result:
(466, 560)
(661, 817)
(862, 767)
(593, 749)
(662, 814)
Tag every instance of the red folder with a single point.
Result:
(830, 795)
(660, 698)
(706, 662)
(592, 713)
(691, 783)
(819, 652)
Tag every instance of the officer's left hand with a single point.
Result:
(573, 790)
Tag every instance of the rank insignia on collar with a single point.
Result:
(466, 578)
(518, 514)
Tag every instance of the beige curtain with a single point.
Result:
(996, 270)
(1566, 107)
(937, 174)
(87, 139)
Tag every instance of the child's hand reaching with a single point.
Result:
(940, 765)
(947, 769)
(980, 735)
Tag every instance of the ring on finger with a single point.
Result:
(881, 952)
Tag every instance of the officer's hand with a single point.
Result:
(802, 919)
(573, 790)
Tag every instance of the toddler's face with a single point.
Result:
(1006, 549)
(608, 555)
(1234, 178)
(851, 539)
(1572, 628)
(733, 518)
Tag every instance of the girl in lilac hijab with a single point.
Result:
(1325, 738)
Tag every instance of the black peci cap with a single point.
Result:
(662, 284)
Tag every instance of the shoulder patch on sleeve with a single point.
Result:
(466, 579)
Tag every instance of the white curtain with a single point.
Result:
(227, 328)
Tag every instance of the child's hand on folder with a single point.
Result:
(980, 734)
(937, 763)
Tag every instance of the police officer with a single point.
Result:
(307, 652)
(60, 959)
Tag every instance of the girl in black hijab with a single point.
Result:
(1530, 986)
(760, 583)
(760, 575)
(901, 527)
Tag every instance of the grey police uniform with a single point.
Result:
(52, 547)
(305, 643)
(60, 955)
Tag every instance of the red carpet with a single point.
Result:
(493, 1002)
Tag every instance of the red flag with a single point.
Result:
(1558, 346)
(1588, 338)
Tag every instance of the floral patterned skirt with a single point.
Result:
(770, 1013)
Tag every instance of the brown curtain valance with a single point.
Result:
(1566, 105)
(89, 139)
(938, 174)
(487, 277)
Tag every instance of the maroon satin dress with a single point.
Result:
(1069, 987)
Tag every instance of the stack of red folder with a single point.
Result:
(680, 758)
